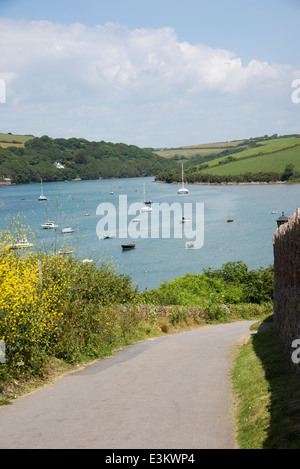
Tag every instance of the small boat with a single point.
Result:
(229, 219)
(190, 245)
(136, 220)
(68, 229)
(126, 247)
(66, 251)
(182, 190)
(42, 196)
(87, 261)
(185, 220)
(148, 202)
(86, 213)
(111, 192)
(146, 209)
(23, 243)
(110, 236)
(274, 211)
(49, 225)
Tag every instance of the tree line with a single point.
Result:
(78, 158)
(194, 175)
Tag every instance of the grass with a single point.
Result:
(7, 140)
(204, 149)
(268, 396)
(272, 157)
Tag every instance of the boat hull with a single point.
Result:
(127, 247)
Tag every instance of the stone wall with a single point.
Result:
(286, 247)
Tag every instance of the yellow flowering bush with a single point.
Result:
(51, 305)
(30, 303)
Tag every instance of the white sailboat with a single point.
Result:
(182, 190)
(145, 208)
(42, 196)
(86, 213)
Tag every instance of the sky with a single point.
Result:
(152, 73)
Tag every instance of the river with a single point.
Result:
(156, 258)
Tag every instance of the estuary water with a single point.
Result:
(155, 258)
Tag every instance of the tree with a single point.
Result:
(288, 172)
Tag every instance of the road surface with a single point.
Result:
(171, 392)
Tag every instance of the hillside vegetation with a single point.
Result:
(264, 159)
(30, 159)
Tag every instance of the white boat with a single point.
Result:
(86, 214)
(185, 220)
(49, 225)
(87, 261)
(109, 236)
(66, 251)
(146, 207)
(137, 220)
(190, 245)
(42, 196)
(23, 243)
(68, 229)
(182, 190)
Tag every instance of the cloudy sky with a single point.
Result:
(159, 73)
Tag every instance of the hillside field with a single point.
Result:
(13, 140)
(273, 156)
(187, 152)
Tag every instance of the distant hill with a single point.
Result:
(262, 159)
(10, 139)
(26, 159)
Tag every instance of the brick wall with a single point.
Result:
(286, 247)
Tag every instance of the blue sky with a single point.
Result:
(147, 72)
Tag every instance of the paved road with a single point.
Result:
(167, 393)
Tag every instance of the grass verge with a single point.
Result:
(267, 395)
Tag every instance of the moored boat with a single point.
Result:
(23, 243)
(49, 225)
(126, 247)
(66, 251)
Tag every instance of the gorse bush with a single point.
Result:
(48, 301)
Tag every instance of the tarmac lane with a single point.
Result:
(169, 392)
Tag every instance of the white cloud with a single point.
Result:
(136, 86)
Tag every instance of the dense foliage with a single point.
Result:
(232, 284)
(195, 175)
(52, 307)
(79, 158)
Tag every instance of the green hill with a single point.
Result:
(272, 156)
(263, 159)
(202, 151)
(10, 139)
(29, 159)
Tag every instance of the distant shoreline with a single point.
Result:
(232, 183)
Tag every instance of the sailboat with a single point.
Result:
(42, 196)
(145, 208)
(229, 219)
(86, 213)
(182, 190)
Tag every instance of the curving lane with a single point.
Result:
(170, 392)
